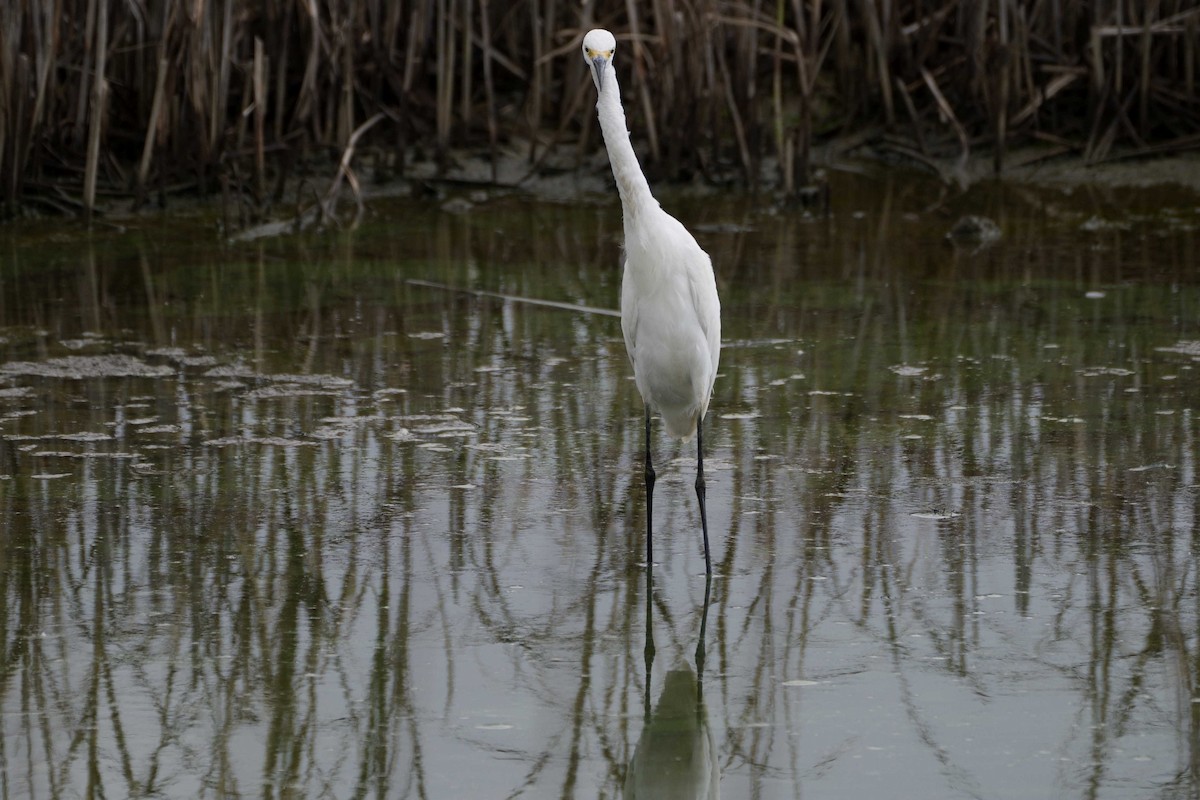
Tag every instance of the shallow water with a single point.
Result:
(279, 523)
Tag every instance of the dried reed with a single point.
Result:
(106, 98)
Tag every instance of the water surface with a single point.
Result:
(280, 523)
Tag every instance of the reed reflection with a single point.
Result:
(344, 535)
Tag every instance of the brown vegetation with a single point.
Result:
(104, 98)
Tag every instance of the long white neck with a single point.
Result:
(631, 183)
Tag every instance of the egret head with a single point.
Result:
(598, 48)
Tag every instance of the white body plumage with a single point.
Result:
(671, 318)
(670, 311)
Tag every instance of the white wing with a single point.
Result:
(708, 307)
(671, 319)
(629, 312)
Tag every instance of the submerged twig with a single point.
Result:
(533, 301)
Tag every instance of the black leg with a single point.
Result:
(649, 500)
(700, 492)
(648, 651)
(703, 630)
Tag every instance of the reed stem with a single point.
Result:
(178, 82)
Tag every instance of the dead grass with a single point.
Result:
(102, 100)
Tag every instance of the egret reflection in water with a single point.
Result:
(676, 757)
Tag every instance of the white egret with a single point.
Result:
(670, 312)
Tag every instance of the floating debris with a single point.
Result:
(739, 343)
(79, 344)
(332, 381)
(457, 205)
(439, 428)
(268, 392)
(355, 420)
(342, 427)
(908, 371)
(301, 386)
(237, 371)
(976, 229)
(1184, 347)
(509, 416)
(81, 436)
(438, 424)
(1095, 224)
(119, 454)
(266, 230)
(1092, 372)
(182, 357)
(936, 515)
(270, 441)
(115, 365)
(164, 428)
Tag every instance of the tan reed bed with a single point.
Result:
(106, 100)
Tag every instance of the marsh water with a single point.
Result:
(280, 522)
